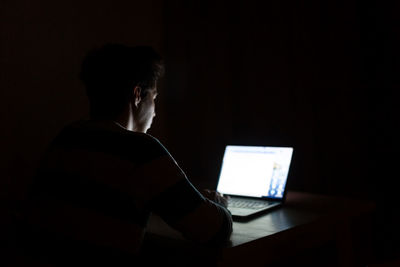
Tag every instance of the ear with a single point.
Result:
(136, 95)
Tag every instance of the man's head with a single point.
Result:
(117, 77)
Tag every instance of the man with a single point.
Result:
(100, 179)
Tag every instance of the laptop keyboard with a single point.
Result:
(247, 204)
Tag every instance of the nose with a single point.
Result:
(154, 114)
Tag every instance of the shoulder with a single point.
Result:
(111, 139)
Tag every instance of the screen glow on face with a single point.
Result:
(255, 171)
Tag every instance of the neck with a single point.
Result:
(126, 120)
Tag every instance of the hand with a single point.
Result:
(216, 197)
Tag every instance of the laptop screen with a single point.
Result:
(255, 171)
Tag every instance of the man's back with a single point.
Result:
(97, 186)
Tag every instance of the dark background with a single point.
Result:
(321, 76)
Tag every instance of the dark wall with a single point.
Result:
(317, 76)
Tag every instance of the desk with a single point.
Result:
(294, 232)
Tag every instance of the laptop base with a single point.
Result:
(242, 215)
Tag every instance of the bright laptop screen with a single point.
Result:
(255, 171)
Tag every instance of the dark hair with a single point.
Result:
(111, 72)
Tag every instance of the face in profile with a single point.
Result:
(145, 111)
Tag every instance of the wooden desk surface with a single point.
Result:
(300, 209)
(305, 221)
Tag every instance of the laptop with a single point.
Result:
(254, 177)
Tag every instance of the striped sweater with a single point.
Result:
(98, 183)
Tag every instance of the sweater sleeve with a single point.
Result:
(196, 217)
(183, 207)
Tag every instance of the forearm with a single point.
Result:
(210, 223)
(225, 231)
